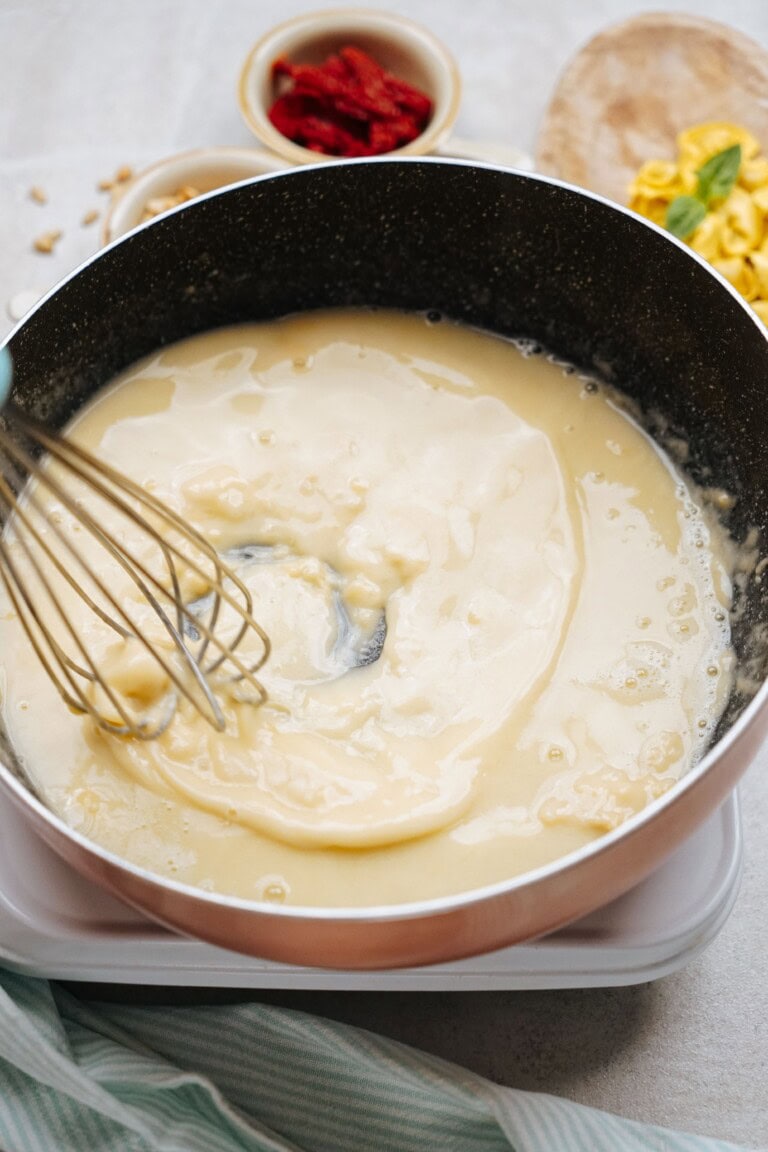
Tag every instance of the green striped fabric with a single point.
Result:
(83, 1078)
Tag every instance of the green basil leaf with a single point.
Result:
(718, 176)
(684, 215)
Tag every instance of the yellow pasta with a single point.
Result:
(760, 198)
(663, 178)
(707, 237)
(759, 261)
(733, 236)
(743, 232)
(754, 173)
(705, 140)
(740, 273)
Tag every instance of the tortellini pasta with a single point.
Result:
(733, 236)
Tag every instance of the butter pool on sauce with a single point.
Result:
(557, 645)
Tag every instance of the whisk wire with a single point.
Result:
(80, 701)
(139, 508)
(18, 508)
(40, 635)
(91, 471)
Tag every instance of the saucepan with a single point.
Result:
(512, 253)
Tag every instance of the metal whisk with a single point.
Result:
(73, 527)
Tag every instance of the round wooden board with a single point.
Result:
(625, 96)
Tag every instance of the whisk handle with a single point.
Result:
(6, 371)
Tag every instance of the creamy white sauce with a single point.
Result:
(557, 649)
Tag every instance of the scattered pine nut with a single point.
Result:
(46, 241)
(124, 173)
(159, 204)
(38, 194)
(90, 217)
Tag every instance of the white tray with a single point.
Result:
(55, 924)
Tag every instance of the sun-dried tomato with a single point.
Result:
(347, 106)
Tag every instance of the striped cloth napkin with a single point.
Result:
(75, 1077)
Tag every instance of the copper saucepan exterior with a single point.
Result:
(515, 254)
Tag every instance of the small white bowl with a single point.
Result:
(204, 169)
(406, 49)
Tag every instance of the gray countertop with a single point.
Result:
(101, 85)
